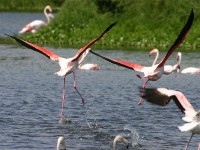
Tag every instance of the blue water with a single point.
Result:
(30, 100)
(30, 95)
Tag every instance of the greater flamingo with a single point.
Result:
(168, 69)
(37, 24)
(155, 72)
(191, 70)
(67, 65)
(61, 144)
(162, 96)
(121, 139)
(89, 67)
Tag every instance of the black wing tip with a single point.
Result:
(110, 26)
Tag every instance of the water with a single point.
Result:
(12, 23)
(30, 95)
(30, 100)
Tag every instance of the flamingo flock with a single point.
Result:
(158, 96)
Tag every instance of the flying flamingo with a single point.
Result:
(37, 24)
(67, 65)
(168, 69)
(118, 138)
(191, 70)
(162, 96)
(155, 72)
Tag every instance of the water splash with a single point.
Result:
(134, 135)
(90, 119)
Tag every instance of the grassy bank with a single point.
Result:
(28, 5)
(143, 24)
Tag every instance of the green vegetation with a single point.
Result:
(28, 5)
(141, 24)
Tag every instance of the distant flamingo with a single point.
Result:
(89, 67)
(155, 72)
(162, 96)
(191, 70)
(168, 69)
(37, 24)
(67, 65)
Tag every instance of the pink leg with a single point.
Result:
(188, 142)
(199, 147)
(76, 89)
(63, 96)
(144, 86)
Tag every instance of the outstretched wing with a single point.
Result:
(80, 51)
(162, 96)
(37, 48)
(179, 39)
(128, 65)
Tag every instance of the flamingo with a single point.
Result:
(67, 65)
(89, 67)
(168, 69)
(61, 143)
(162, 96)
(155, 72)
(118, 138)
(37, 24)
(191, 70)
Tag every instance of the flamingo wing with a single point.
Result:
(80, 51)
(179, 39)
(128, 65)
(37, 48)
(162, 96)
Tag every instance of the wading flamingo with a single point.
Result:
(168, 69)
(162, 96)
(118, 139)
(155, 72)
(67, 65)
(37, 24)
(191, 70)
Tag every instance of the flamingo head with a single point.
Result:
(153, 51)
(48, 9)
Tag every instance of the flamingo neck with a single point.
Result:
(179, 57)
(47, 14)
(83, 56)
(61, 143)
(157, 55)
(121, 139)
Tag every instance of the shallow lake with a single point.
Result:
(30, 102)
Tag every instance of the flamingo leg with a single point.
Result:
(188, 142)
(77, 89)
(63, 96)
(143, 87)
